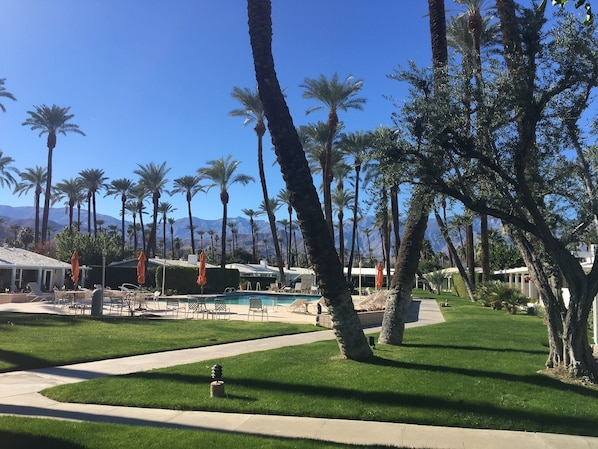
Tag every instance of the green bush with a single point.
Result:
(497, 295)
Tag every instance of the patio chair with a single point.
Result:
(117, 304)
(255, 307)
(172, 305)
(197, 306)
(36, 293)
(220, 310)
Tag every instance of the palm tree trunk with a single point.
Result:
(455, 256)
(299, 182)
(122, 225)
(95, 215)
(271, 217)
(37, 197)
(190, 223)
(354, 228)
(397, 304)
(51, 143)
(224, 200)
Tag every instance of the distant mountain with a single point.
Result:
(25, 216)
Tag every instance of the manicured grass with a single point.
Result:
(36, 341)
(479, 370)
(18, 433)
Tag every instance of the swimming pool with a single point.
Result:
(242, 298)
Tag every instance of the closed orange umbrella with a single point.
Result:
(75, 267)
(141, 268)
(379, 275)
(202, 279)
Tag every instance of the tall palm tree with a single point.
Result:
(92, 180)
(189, 185)
(293, 164)
(211, 233)
(153, 179)
(335, 95)
(251, 214)
(131, 207)
(51, 121)
(201, 232)
(222, 173)
(393, 323)
(171, 222)
(139, 193)
(285, 197)
(468, 33)
(121, 187)
(33, 179)
(355, 144)
(164, 208)
(6, 171)
(253, 112)
(341, 200)
(4, 93)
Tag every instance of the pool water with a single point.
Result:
(242, 298)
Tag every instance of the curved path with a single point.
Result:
(19, 395)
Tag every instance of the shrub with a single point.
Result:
(497, 295)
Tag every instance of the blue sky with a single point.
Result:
(150, 81)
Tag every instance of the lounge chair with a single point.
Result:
(299, 305)
(256, 307)
(196, 305)
(36, 294)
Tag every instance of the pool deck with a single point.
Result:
(158, 309)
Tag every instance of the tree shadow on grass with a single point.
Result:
(20, 361)
(474, 348)
(14, 440)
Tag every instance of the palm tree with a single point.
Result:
(253, 111)
(6, 171)
(131, 206)
(73, 191)
(341, 200)
(468, 33)
(355, 144)
(222, 173)
(139, 193)
(164, 208)
(189, 185)
(293, 164)
(285, 197)
(33, 178)
(51, 121)
(252, 214)
(171, 222)
(211, 233)
(92, 180)
(335, 95)
(201, 232)
(153, 179)
(121, 187)
(393, 323)
(4, 93)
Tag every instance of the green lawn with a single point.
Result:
(479, 370)
(19, 433)
(37, 341)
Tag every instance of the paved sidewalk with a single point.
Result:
(19, 395)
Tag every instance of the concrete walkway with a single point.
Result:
(19, 395)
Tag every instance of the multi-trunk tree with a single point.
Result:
(534, 169)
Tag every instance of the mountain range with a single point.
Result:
(58, 220)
